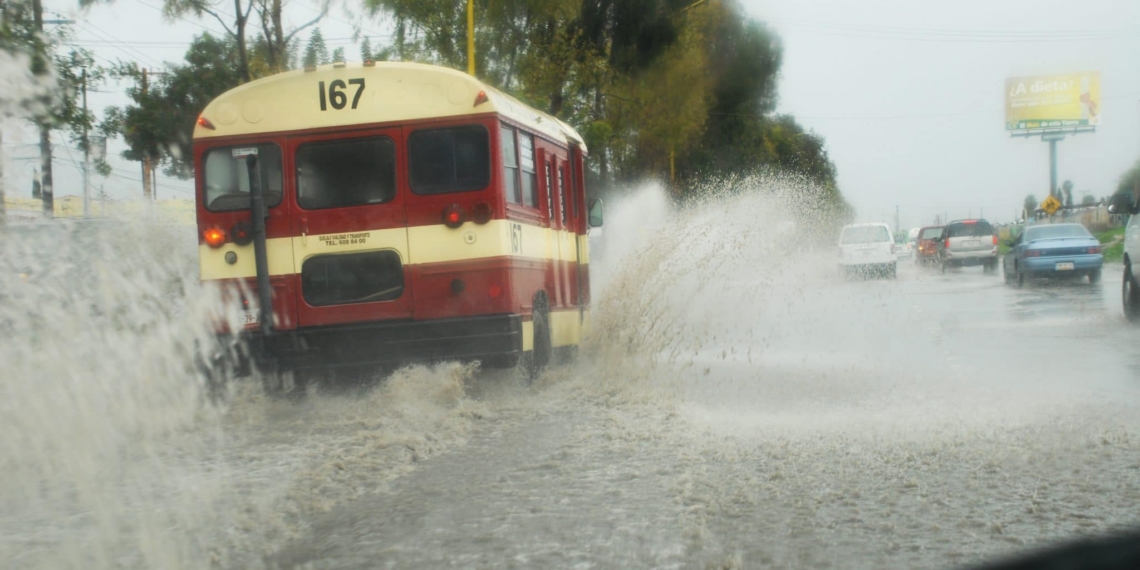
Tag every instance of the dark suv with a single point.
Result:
(966, 243)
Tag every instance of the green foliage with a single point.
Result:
(1088, 200)
(1130, 180)
(338, 54)
(365, 49)
(1030, 205)
(654, 86)
(52, 96)
(160, 123)
(316, 53)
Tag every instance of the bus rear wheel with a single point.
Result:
(541, 347)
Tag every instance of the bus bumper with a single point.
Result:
(468, 338)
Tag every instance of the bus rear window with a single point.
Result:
(340, 173)
(228, 182)
(456, 159)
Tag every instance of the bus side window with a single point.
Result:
(510, 165)
(529, 174)
(562, 191)
(549, 192)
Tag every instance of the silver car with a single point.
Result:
(967, 243)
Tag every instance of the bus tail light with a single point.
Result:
(205, 123)
(481, 98)
(242, 233)
(481, 213)
(214, 237)
(454, 216)
(495, 291)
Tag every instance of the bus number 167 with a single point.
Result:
(336, 96)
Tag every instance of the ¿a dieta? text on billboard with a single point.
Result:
(1052, 101)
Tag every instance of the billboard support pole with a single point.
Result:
(1052, 166)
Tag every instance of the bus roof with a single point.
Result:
(393, 92)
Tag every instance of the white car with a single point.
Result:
(867, 249)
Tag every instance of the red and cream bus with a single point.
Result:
(409, 212)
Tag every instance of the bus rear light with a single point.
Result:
(454, 216)
(480, 99)
(242, 233)
(495, 291)
(214, 237)
(205, 123)
(481, 213)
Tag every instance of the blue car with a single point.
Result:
(1053, 250)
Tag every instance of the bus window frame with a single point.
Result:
(411, 130)
(516, 210)
(301, 142)
(200, 166)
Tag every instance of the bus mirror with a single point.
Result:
(595, 213)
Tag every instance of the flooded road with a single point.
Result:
(739, 405)
(982, 421)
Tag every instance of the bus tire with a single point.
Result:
(541, 347)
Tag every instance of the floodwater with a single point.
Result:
(738, 406)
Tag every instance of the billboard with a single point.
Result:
(1052, 101)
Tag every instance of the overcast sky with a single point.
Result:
(907, 93)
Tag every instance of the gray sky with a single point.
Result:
(913, 114)
(907, 93)
(135, 30)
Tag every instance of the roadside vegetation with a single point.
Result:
(1113, 241)
(683, 91)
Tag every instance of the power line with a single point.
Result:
(118, 45)
(191, 22)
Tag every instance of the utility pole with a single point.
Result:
(86, 154)
(3, 207)
(896, 219)
(39, 68)
(471, 38)
(148, 190)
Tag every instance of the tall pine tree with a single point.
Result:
(316, 53)
(365, 50)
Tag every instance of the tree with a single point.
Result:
(274, 41)
(1088, 200)
(366, 50)
(316, 53)
(160, 122)
(1030, 205)
(235, 24)
(49, 91)
(1067, 192)
(1130, 180)
(338, 54)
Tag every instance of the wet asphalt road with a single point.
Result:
(933, 421)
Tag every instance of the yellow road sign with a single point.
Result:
(1050, 205)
